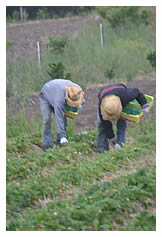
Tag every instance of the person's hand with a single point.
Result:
(117, 146)
(145, 110)
(63, 140)
(80, 106)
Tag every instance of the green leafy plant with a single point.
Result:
(151, 57)
(42, 13)
(57, 71)
(145, 17)
(118, 16)
(57, 45)
(16, 16)
(110, 72)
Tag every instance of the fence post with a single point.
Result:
(101, 34)
(39, 52)
(21, 14)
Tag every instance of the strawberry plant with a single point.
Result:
(66, 188)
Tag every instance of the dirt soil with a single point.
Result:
(24, 37)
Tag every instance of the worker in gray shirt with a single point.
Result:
(54, 96)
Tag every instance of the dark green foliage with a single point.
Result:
(102, 207)
(69, 188)
(118, 16)
(145, 17)
(57, 45)
(151, 57)
(57, 71)
(110, 72)
(42, 13)
(144, 220)
(14, 17)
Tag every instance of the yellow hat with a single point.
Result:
(74, 96)
(111, 107)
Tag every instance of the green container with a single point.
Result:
(133, 110)
(129, 109)
(71, 109)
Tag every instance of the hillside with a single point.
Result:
(26, 35)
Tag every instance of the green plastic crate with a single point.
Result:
(133, 110)
(71, 112)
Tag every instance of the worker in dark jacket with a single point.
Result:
(112, 99)
(54, 97)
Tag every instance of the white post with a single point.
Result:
(39, 52)
(21, 14)
(101, 34)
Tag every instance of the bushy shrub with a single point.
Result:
(57, 71)
(57, 45)
(145, 16)
(110, 72)
(42, 13)
(16, 15)
(14, 18)
(118, 16)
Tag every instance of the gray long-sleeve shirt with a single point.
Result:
(54, 92)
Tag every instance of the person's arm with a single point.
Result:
(135, 93)
(81, 105)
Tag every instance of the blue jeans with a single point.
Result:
(47, 138)
(103, 131)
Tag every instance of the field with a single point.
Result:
(74, 188)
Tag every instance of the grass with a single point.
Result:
(125, 49)
(69, 187)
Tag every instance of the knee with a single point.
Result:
(46, 120)
(122, 124)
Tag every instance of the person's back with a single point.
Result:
(112, 99)
(54, 90)
(54, 96)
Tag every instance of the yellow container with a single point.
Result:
(133, 110)
(70, 114)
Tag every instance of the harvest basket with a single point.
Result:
(71, 112)
(133, 110)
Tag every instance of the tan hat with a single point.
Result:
(74, 95)
(111, 107)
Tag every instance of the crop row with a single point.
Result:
(106, 206)
(74, 167)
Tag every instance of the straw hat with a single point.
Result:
(74, 95)
(111, 107)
